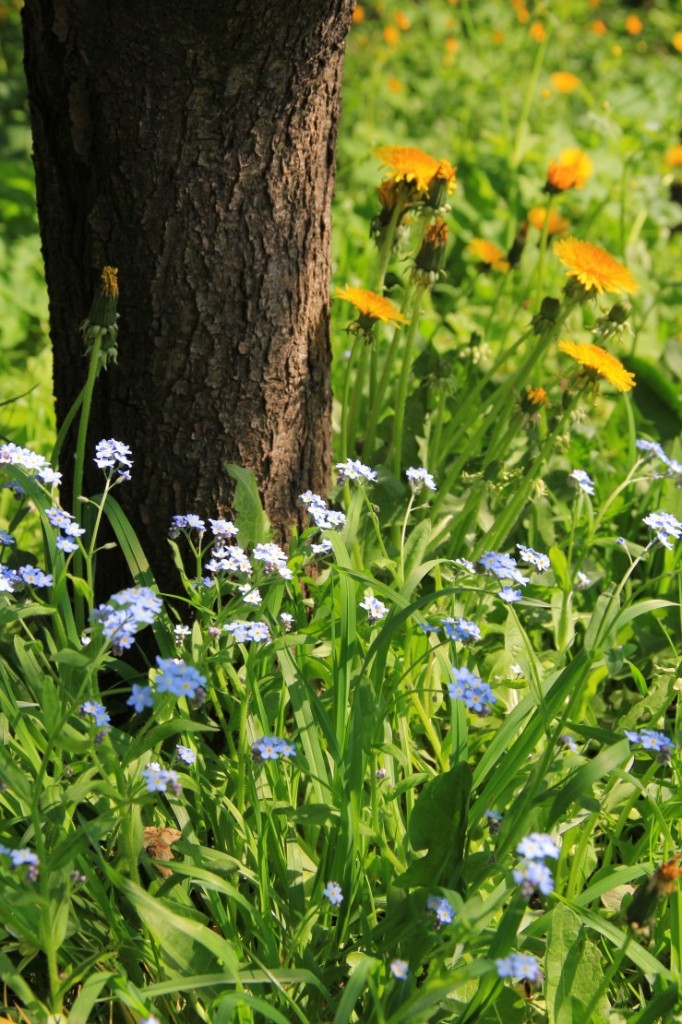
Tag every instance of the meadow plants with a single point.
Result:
(422, 764)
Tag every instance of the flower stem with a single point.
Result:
(401, 399)
(543, 249)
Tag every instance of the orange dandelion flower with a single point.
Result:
(677, 41)
(673, 156)
(538, 32)
(372, 306)
(557, 224)
(634, 26)
(537, 397)
(416, 168)
(523, 15)
(593, 267)
(358, 14)
(599, 27)
(497, 37)
(402, 21)
(571, 170)
(597, 362)
(489, 254)
(564, 81)
(391, 35)
(451, 45)
(395, 85)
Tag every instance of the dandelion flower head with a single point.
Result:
(556, 224)
(489, 254)
(415, 167)
(564, 81)
(571, 170)
(594, 267)
(372, 306)
(597, 362)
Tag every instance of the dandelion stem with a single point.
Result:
(351, 404)
(544, 235)
(401, 399)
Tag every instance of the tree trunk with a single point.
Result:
(190, 143)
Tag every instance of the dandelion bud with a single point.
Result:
(390, 194)
(547, 317)
(642, 909)
(534, 399)
(440, 185)
(516, 251)
(100, 323)
(431, 256)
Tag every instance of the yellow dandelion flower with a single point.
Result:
(358, 15)
(617, 50)
(634, 26)
(372, 306)
(395, 85)
(597, 362)
(538, 32)
(497, 37)
(489, 254)
(522, 13)
(564, 81)
(557, 224)
(415, 167)
(451, 45)
(402, 21)
(677, 41)
(391, 35)
(673, 156)
(593, 267)
(109, 281)
(571, 170)
(599, 27)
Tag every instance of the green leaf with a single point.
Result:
(601, 622)
(87, 996)
(183, 941)
(354, 987)
(573, 971)
(578, 787)
(415, 546)
(128, 542)
(560, 568)
(254, 525)
(438, 824)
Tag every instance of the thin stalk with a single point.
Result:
(77, 507)
(525, 109)
(542, 253)
(401, 399)
(353, 403)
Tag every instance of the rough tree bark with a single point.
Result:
(191, 143)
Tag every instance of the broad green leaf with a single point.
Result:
(573, 971)
(438, 824)
(254, 525)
